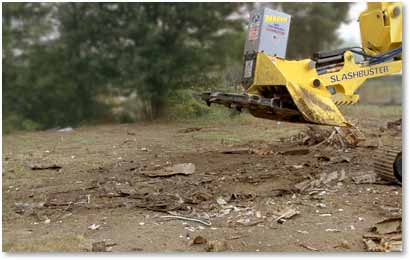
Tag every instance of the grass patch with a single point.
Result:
(362, 111)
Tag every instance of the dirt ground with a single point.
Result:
(107, 183)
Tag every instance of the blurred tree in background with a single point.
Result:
(313, 27)
(70, 63)
(24, 25)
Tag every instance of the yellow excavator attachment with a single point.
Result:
(314, 107)
(310, 90)
(315, 104)
(299, 92)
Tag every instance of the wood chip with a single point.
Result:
(308, 247)
(177, 169)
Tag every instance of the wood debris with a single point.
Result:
(365, 178)
(338, 137)
(308, 247)
(388, 226)
(203, 222)
(385, 237)
(189, 130)
(199, 240)
(285, 214)
(325, 179)
(177, 169)
(237, 151)
(51, 166)
(396, 125)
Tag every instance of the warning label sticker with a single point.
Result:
(253, 33)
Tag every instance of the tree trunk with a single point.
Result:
(157, 107)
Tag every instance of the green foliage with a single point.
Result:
(15, 121)
(183, 105)
(24, 24)
(150, 49)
